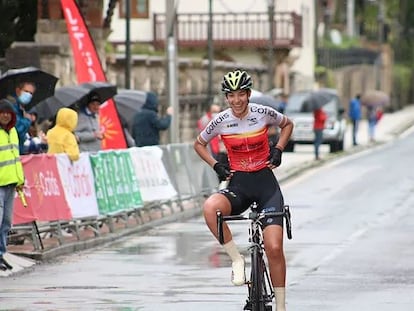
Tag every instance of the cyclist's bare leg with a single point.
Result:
(273, 243)
(216, 202)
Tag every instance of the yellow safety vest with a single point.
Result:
(11, 169)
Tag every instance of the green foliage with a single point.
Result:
(325, 77)
(346, 43)
(402, 75)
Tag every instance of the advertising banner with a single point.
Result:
(78, 185)
(116, 185)
(153, 179)
(43, 191)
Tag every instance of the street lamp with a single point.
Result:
(271, 12)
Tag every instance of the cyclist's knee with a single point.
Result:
(216, 202)
(274, 251)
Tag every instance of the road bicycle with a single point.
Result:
(260, 289)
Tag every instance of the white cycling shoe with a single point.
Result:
(238, 275)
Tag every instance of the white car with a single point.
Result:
(299, 110)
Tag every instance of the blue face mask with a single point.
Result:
(25, 98)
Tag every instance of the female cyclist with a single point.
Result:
(243, 128)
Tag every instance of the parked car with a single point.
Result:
(300, 112)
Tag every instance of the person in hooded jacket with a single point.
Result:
(11, 174)
(147, 124)
(61, 138)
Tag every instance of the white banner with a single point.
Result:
(153, 179)
(78, 185)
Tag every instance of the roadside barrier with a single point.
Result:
(106, 188)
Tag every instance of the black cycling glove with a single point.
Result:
(222, 170)
(275, 156)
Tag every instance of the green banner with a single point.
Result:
(115, 181)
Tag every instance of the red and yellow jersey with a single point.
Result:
(245, 139)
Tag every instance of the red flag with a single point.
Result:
(89, 69)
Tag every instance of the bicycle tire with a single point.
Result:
(288, 222)
(256, 288)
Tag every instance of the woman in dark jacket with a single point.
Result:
(147, 124)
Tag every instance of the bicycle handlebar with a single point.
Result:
(254, 216)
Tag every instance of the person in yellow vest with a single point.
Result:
(11, 174)
(61, 138)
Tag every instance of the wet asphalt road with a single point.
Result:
(352, 249)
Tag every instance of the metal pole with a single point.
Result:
(271, 11)
(350, 18)
(127, 44)
(172, 68)
(210, 54)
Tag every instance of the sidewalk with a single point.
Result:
(390, 126)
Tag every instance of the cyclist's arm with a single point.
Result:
(200, 147)
(286, 126)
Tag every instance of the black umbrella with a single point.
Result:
(128, 103)
(104, 90)
(317, 100)
(66, 96)
(73, 96)
(45, 83)
(265, 100)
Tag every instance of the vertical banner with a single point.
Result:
(89, 69)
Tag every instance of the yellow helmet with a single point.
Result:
(236, 80)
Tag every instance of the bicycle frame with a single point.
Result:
(260, 289)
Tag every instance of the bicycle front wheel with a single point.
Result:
(257, 274)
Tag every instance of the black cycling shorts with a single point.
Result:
(261, 187)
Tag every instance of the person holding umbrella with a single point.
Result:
(11, 174)
(22, 96)
(88, 132)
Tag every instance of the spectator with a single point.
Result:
(11, 174)
(374, 114)
(61, 138)
(214, 145)
(88, 131)
(355, 115)
(318, 125)
(35, 141)
(147, 125)
(22, 96)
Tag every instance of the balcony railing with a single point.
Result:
(232, 30)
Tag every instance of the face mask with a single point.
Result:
(25, 98)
